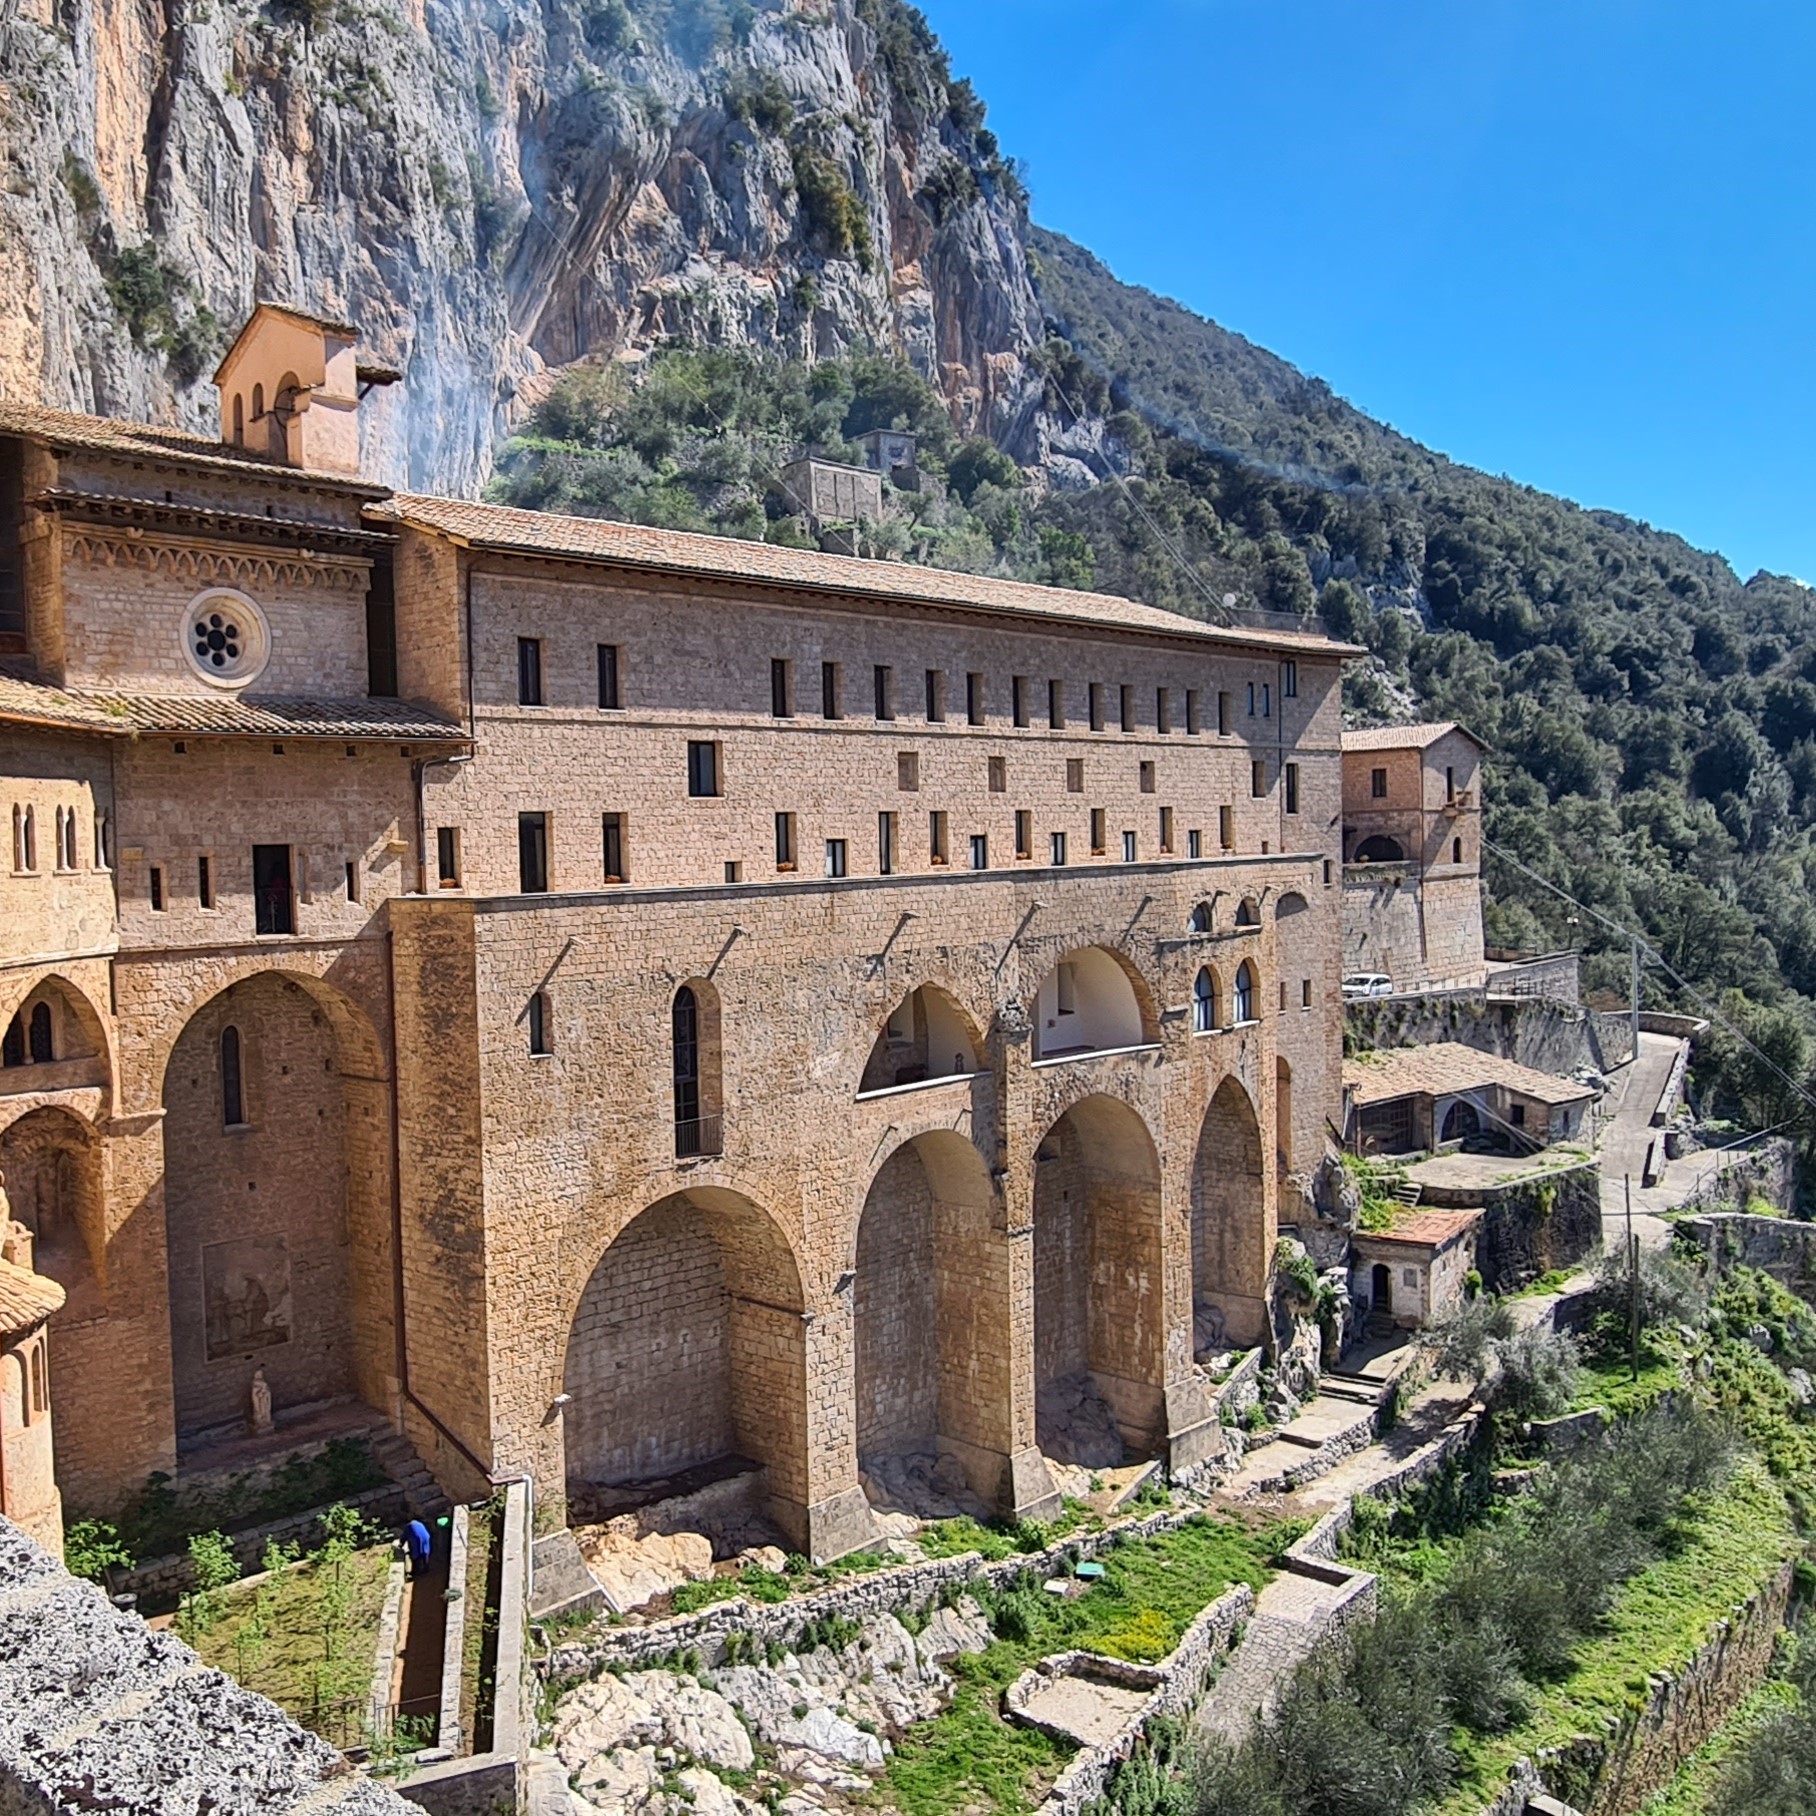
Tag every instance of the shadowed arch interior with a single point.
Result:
(931, 1341)
(1229, 1226)
(688, 1348)
(1087, 1004)
(926, 1036)
(1099, 1322)
(1379, 849)
(277, 1225)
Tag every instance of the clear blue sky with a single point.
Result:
(1569, 240)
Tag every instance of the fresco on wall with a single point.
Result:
(246, 1293)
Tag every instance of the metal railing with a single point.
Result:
(699, 1137)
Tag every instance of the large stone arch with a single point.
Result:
(687, 1348)
(1099, 1316)
(1092, 999)
(278, 1227)
(81, 1040)
(1229, 1225)
(931, 1358)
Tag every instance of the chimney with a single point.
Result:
(290, 390)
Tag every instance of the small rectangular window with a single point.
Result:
(908, 771)
(1056, 847)
(1450, 783)
(533, 853)
(541, 1045)
(1328, 871)
(829, 691)
(1125, 707)
(1095, 697)
(1283, 994)
(1056, 705)
(936, 838)
(1075, 775)
(1098, 832)
(447, 857)
(1519, 1116)
(1166, 829)
(1226, 828)
(352, 881)
(609, 697)
(1223, 715)
(702, 768)
(1128, 848)
(1018, 699)
(785, 841)
(1194, 843)
(997, 769)
(1251, 699)
(936, 698)
(835, 857)
(734, 871)
(1193, 724)
(1145, 771)
(980, 851)
(1292, 787)
(1267, 700)
(1305, 993)
(884, 679)
(885, 844)
(1289, 680)
(616, 860)
(1377, 784)
(529, 671)
(1024, 833)
(274, 901)
(157, 890)
(781, 688)
(204, 882)
(1163, 709)
(1258, 779)
(974, 699)
(381, 632)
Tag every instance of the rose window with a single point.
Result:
(225, 637)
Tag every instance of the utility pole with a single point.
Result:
(1632, 1280)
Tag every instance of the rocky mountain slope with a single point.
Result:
(494, 188)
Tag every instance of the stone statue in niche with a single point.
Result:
(258, 1413)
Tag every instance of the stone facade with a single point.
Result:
(937, 1040)
(1412, 857)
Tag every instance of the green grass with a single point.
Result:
(1692, 1791)
(301, 1665)
(1545, 1284)
(1726, 1546)
(1607, 1380)
(969, 1759)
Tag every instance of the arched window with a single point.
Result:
(28, 843)
(258, 402)
(101, 857)
(1201, 919)
(12, 1048)
(1379, 849)
(43, 1048)
(19, 862)
(40, 1395)
(687, 1072)
(1204, 1002)
(239, 418)
(1245, 992)
(1248, 915)
(66, 838)
(233, 1096)
(1456, 851)
(540, 1032)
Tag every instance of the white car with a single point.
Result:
(1363, 984)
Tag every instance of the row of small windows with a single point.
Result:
(67, 842)
(279, 877)
(1026, 695)
(533, 846)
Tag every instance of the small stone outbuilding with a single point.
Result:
(1415, 1275)
(1423, 1100)
(28, 1482)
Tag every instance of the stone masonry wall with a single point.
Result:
(1548, 1036)
(1531, 1226)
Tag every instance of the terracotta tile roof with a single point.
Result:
(1406, 737)
(1445, 1068)
(1425, 1229)
(25, 1298)
(27, 702)
(673, 551)
(68, 429)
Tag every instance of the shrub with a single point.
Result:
(1671, 1290)
(93, 1547)
(833, 214)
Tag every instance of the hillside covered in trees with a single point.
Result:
(1652, 719)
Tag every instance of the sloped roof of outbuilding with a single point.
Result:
(1445, 1068)
(1406, 737)
(25, 1298)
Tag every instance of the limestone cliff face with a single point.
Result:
(492, 189)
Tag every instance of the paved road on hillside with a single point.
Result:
(1628, 1133)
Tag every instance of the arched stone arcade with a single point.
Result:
(1099, 1315)
(687, 1348)
(277, 1181)
(1229, 1226)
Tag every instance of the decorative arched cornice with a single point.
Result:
(243, 568)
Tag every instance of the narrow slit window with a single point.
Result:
(1056, 705)
(980, 851)
(883, 679)
(997, 769)
(1226, 828)
(1377, 784)
(1128, 847)
(352, 881)
(43, 1041)
(1125, 707)
(1163, 710)
(1289, 680)
(204, 882)
(273, 895)
(974, 699)
(1075, 775)
(785, 841)
(1194, 843)
(233, 1095)
(1018, 700)
(908, 771)
(1257, 779)
(617, 861)
(936, 838)
(1166, 829)
(1145, 775)
(936, 698)
(1024, 833)
(447, 857)
(781, 688)
(1056, 848)
(1292, 787)
(610, 699)
(1223, 715)
(1095, 699)
(541, 1034)
(835, 857)
(533, 853)
(1098, 833)
(829, 690)
(885, 844)
(529, 671)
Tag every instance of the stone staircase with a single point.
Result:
(396, 1456)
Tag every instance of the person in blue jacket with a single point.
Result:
(420, 1546)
